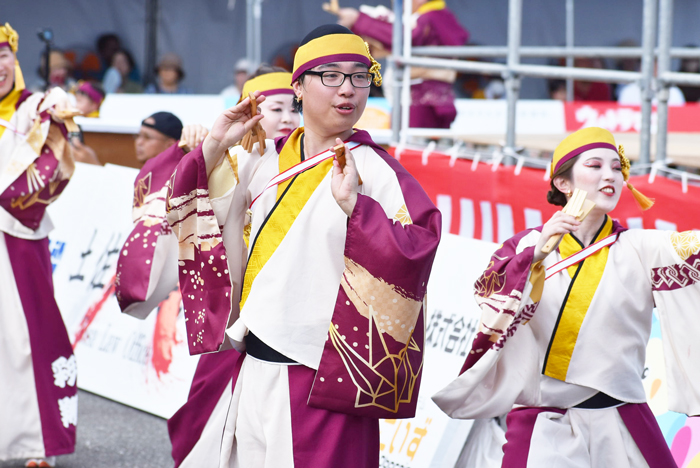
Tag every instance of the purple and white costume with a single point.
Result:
(38, 391)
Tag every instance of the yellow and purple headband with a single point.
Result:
(90, 91)
(592, 138)
(10, 38)
(333, 43)
(580, 141)
(268, 84)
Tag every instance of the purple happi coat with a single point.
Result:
(146, 270)
(365, 365)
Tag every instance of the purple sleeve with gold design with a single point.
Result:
(499, 293)
(138, 255)
(202, 262)
(27, 198)
(372, 360)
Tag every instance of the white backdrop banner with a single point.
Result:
(432, 439)
(144, 364)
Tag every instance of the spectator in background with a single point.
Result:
(89, 98)
(158, 132)
(107, 45)
(432, 97)
(240, 76)
(495, 89)
(557, 89)
(591, 90)
(82, 152)
(626, 64)
(169, 76)
(117, 79)
(471, 85)
(631, 94)
(60, 72)
(690, 65)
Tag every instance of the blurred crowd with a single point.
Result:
(111, 67)
(90, 75)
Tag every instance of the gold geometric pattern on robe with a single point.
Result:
(402, 216)
(394, 312)
(25, 201)
(34, 182)
(685, 243)
(364, 372)
(489, 284)
(141, 190)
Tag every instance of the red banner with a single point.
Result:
(478, 202)
(616, 118)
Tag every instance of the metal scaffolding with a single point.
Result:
(253, 41)
(657, 14)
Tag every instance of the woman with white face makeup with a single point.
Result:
(38, 392)
(326, 297)
(280, 116)
(563, 336)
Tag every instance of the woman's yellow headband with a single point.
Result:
(591, 138)
(268, 84)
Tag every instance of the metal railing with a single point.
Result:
(404, 56)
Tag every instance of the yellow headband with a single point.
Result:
(580, 141)
(268, 84)
(335, 48)
(433, 5)
(591, 138)
(10, 37)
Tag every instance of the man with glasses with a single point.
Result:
(158, 133)
(318, 274)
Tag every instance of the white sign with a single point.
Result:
(432, 439)
(144, 364)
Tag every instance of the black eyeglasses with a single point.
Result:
(335, 79)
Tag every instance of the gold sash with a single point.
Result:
(292, 196)
(8, 107)
(585, 277)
